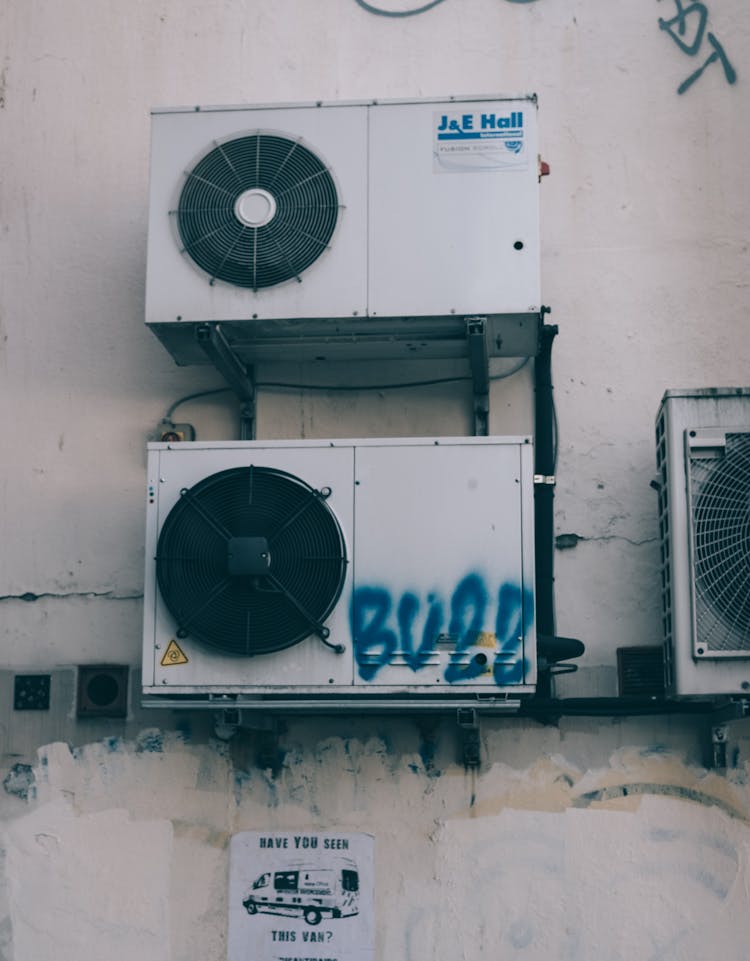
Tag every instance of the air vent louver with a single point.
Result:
(720, 496)
(251, 560)
(257, 210)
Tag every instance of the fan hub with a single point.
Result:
(247, 556)
(255, 207)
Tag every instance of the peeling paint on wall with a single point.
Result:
(126, 846)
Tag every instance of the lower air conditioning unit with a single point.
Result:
(374, 573)
(703, 461)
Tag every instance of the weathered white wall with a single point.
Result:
(121, 847)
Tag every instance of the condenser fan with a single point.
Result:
(721, 547)
(251, 560)
(257, 210)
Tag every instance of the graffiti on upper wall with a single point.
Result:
(448, 633)
(412, 11)
(688, 29)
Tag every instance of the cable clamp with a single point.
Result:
(545, 479)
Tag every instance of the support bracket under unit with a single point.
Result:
(470, 742)
(479, 364)
(240, 378)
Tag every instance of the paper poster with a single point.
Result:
(301, 897)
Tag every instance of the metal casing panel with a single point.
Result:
(439, 592)
(441, 547)
(458, 232)
(682, 411)
(415, 238)
(178, 292)
(174, 467)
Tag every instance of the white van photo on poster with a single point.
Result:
(296, 896)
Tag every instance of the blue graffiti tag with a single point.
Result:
(381, 639)
(468, 606)
(695, 15)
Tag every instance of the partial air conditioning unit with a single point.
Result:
(703, 461)
(373, 223)
(311, 574)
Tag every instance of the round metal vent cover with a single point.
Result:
(251, 560)
(257, 210)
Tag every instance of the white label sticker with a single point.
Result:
(479, 140)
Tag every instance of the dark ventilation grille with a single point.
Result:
(251, 560)
(640, 671)
(720, 504)
(662, 485)
(257, 211)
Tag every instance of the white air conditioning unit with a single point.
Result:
(395, 211)
(366, 572)
(703, 480)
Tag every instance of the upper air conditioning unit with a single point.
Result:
(373, 572)
(703, 461)
(266, 217)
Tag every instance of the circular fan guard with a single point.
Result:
(721, 524)
(251, 560)
(272, 173)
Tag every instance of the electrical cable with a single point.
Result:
(184, 400)
(282, 385)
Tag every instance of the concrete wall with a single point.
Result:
(585, 839)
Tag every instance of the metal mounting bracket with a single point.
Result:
(240, 379)
(470, 742)
(479, 364)
(719, 735)
(227, 722)
(268, 752)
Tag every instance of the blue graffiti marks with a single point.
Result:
(376, 643)
(468, 607)
(409, 633)
(408, 609)
(688, 29)
(514, 608)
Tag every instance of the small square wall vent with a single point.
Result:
(102, 691)
(31, 692)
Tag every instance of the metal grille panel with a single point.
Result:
(303, 210)
(251, 560)
(719, 487)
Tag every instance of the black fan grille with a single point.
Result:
(299, 231)
(721, 547)
(249, 613)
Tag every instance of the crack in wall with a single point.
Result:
(565, 542)
(29, 596)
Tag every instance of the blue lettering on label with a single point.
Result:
(451, 127)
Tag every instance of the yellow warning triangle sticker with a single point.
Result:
(173, 655)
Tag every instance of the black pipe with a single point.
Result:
(545, 455)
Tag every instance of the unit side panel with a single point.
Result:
(441, 595)
(453, 232)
